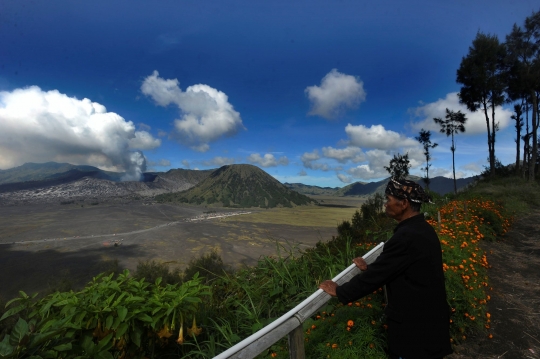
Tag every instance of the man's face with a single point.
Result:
(394, 207)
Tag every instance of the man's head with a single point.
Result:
(404, 199)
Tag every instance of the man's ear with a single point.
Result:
(405, 203)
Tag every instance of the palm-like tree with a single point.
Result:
(454, 124)
(425, 139)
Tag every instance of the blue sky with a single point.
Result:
(317, 92)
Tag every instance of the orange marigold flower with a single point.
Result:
(350, 323)
(334, 346)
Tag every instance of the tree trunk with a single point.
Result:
(532, 162)
(490, 151)
(518, 139)
(526, 142)
(493, 132)
(454, 163)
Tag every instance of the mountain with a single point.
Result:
(311, 190)
(239, 186)
(53, 182)
(443, 185)
(440, 185)
(33, 172)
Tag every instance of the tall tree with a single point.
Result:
(453, 124)
(523, 56)
(518, 118)
(482, 76)
(399, 166)
(425, 139)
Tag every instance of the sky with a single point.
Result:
(319, 92)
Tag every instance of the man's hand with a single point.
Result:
(360, 263)
(329, 287)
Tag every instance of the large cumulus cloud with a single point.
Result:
(207, 114)
(337, 93)
(377, 137)
(41, 126)
(476, 121)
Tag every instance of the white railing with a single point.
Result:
(291, 322)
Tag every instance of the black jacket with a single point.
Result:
(417, 312)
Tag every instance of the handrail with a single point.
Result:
(267, 336)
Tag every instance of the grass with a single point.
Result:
(308, 216)
(517, 194)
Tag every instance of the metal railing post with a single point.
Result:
(296, 343)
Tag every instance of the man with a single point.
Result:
(410, 266)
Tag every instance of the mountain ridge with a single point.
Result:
(239, 185)
(52, 182)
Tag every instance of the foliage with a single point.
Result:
(109, 318)
(454, 124)
(425, 139)
(151, 270)
(209, 266)
(399, 166)
(500, 170)
(522, 53)
(482, 76)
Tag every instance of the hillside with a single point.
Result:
(239, 186)
(52, 171)
(53, 182)
(440, 185)
(310, 190)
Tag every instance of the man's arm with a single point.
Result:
(330, 287)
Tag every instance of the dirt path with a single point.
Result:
(515, 298)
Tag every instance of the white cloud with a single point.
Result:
(207, 114)
(309, 157)
(41, 126)
(377, 137)
(185, 163)
(302, 173)
(353, 154)
(219, 161)
(337, 93)
(374, 169)
(268, 160)
(437, 171)
(343, 178)
(476, 121)
(143, 141)
(309, 160)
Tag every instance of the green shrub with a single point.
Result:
(209, 266)
(151, 270)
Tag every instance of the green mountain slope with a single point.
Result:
(239, 186)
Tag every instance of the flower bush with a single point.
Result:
(356, 330)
